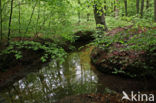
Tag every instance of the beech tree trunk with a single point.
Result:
(100, 18)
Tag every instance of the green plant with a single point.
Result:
(51, 50)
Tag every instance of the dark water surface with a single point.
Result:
(74, 77)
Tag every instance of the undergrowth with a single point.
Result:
(138, 47)
(50, 50)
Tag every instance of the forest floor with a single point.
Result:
(127, 62)
(17, 69)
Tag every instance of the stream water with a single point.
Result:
(74, 77)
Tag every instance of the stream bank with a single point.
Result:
(130, 53)
(22, 56)
(74, 81)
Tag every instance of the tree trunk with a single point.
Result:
(10, 19)
(125, 1)
(1, 19)
(147, 4)
(19, 17)
(31, 17)
(155, 10)
(142, 8)
(137, 6)
(100, 18)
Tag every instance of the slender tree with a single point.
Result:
(142, 8)
(31, 17)
(155, 10)
(125, 2)
(137, 6)
(10, 19)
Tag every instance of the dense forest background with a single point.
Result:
(63, 17)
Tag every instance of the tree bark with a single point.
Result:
(100, 19)
(10, 19)
(125, 1)
(142, 8)
(1, 19)
(155, 10)
(137, 6)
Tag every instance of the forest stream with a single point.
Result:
(62, 83)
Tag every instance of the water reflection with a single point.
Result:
(55, 81)
(75, 76)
